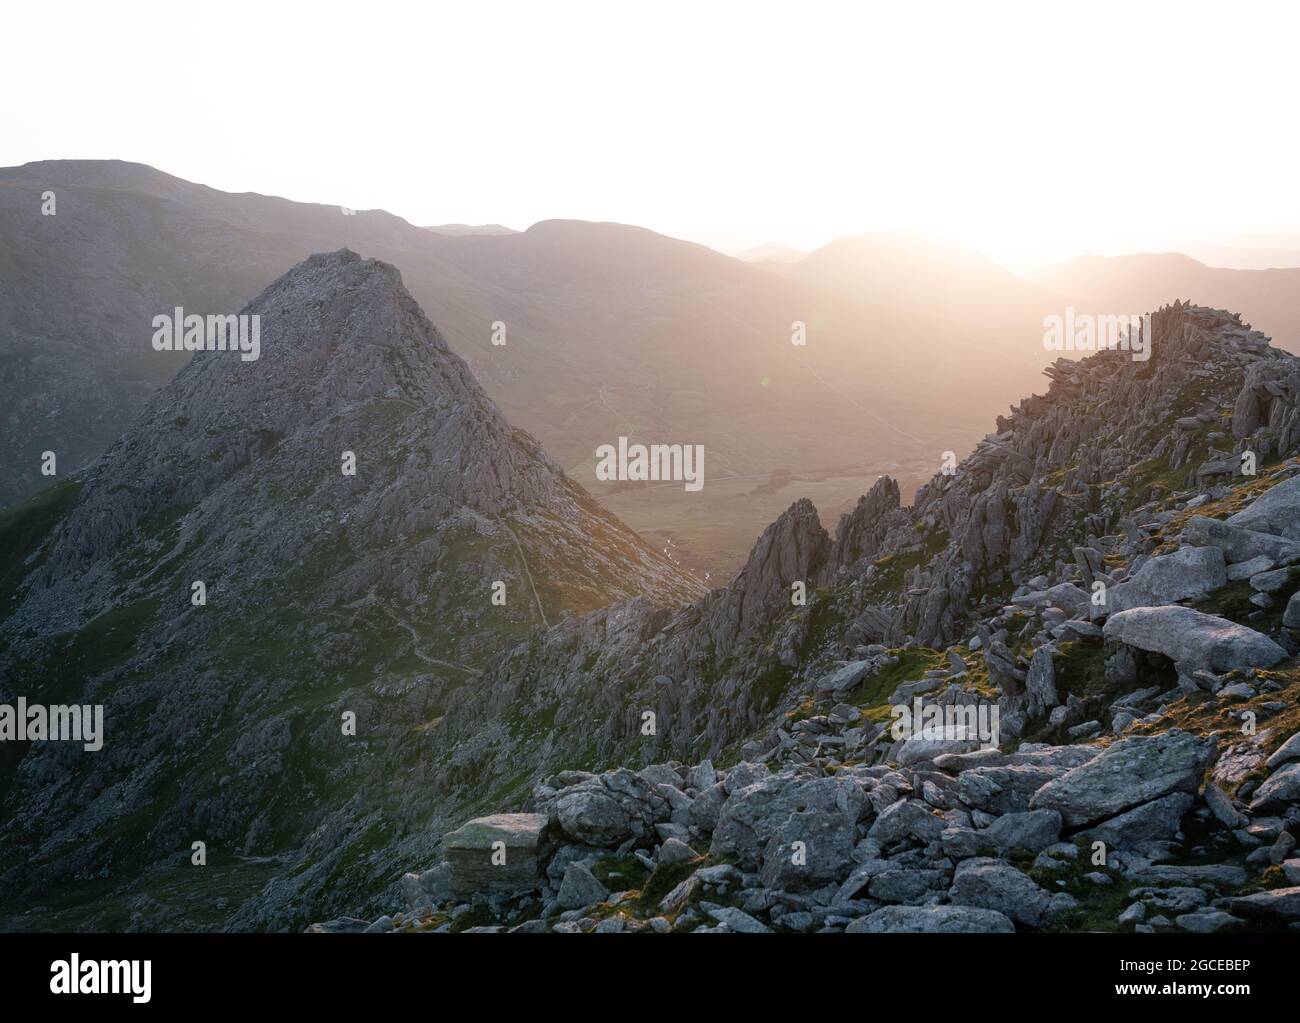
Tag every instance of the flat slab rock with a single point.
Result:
(1278, 903)
(1191, 639)
(472, 848)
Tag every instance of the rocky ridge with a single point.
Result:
(1101, 572)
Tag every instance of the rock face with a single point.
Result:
(498, 853)
(1127, 774)
(1192, 640)
(987, 582)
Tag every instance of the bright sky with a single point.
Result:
(1031, 131)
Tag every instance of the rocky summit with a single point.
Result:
(1097, 614)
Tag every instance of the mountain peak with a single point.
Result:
(356, 408)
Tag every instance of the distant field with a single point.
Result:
(712, 531)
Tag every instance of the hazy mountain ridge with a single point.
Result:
(610, 330)
(1126, 284)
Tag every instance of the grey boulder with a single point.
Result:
(1276, 511)
(993, 884)
(932, 920)
(1130, 772)
(1193, 640)
(1187, 574)
(1280, 789)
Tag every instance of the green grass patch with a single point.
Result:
(24, 528)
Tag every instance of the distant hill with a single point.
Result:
(1129, 284)
(772, 252)
(460, 230)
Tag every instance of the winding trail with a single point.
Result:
(415, 646)
(527, 571)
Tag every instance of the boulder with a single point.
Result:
(1246, 569)
(707, 807)
(1033, 830)
(1280, 790)
(736, 919)
(860, 876)
(751, 816)
(1206, 922)
(1192, 640)
(343, 925)
(1289, 750)
(1276, 511)
(580, 888)
(1066, 596)
(515, 840)
(809, 850)
(1156, 821)
(1221, 805)
(1001, 790)
(1220, 875)
(1239, 544)
(1291, 616)
(1125, 775)
(908, 885)
(932, 920)
(1279, 580)
(907, 752)
(1040, 682)
(907, 818)
(1276, 904)
(1187, 574)
(993, 884)
(674, 850)
(846, 676)
(608, 809)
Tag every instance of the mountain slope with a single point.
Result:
(326, 594)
